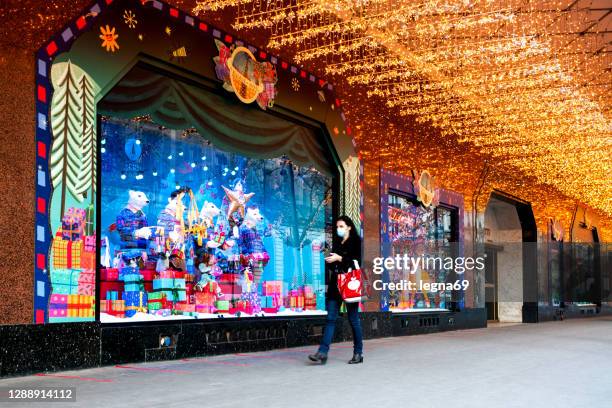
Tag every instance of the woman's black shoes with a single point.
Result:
(318, 357)
(357, 358)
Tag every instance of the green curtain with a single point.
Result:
(227, 123)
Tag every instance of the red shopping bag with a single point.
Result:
(350, 285)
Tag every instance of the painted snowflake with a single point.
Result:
(109, 38)
(129, 18)
(295, 84)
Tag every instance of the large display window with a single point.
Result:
(426, 234)
(181, 172)
(191, 229)
(417, 230)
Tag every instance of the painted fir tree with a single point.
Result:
(66, 150)
(89, 141)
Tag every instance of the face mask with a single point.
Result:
(341, 232)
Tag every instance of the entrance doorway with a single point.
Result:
(511, 260)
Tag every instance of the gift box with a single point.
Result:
(185, 307)
(189, 278)
(270, 309)
(65, 281)
(310, 303)
(54, 312)
(88, 260)
(72, 228)
(295, 302)
(133, 282)
(90, 216)
(135, 301)
(189, 289)
(222, 305)
(58, 300)
(157, 301)
(117, 308)
(253, 299)
(205, 298)
(230, 288)
(272, 287)
(308, 291)
(167, 274)
(109, 274)
(128, 270)
(105, 306)
(105, 287)
(89, 243)
(80, 306)
(66, 254)
(229, 277)
(148, 274)
(88, 289)
(200, 308)
(112, 295)
(174, 289)
(267, 301)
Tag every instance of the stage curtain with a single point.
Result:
(227, 123)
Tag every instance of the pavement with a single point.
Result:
(555, 364)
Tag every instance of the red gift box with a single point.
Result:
(88, 260)
(148, 274)
(109, 274)
(230, 288)
(229, 277)
(110, 286)
(269, 309)
(205, 298)
(200, 308)
(148, 286)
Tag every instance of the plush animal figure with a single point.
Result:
(132, 222)
(167, 216)
(250, 242)
(208, 213)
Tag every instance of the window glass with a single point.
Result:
(189, 229)
(426, 233)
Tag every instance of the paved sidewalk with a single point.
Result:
(556, 364)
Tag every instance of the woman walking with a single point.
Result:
(346, 248)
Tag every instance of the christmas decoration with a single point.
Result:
(528, 85)
(295, 84)
(242, 74)
(129, 18)
(109, 38)
(237, 199)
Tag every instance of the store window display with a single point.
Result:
(191, 229)
(418, 230)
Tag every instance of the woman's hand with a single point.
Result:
(333, 258)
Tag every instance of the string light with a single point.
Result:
(525, 84)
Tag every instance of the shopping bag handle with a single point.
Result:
(356, 264)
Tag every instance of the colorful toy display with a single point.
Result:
(227, 247)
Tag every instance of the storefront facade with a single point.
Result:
(143, 112)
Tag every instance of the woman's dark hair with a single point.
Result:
(354, 237)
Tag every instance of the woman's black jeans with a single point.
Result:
(333, 309)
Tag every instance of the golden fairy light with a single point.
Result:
(524, 82)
